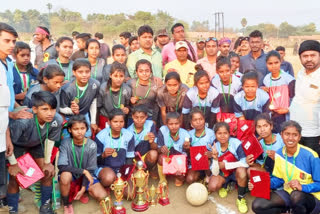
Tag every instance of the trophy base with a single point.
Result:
(140, 208)
(164, 201)
(118, 211)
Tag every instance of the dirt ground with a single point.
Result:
(178, 203)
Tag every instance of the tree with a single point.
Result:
(200, 26)
(285, 30)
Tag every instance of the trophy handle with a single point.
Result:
(106, 205)
(112, 186)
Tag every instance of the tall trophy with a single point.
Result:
(140, 187)
(152, 196)
(106, 206)
(163, 191)
(118, 187)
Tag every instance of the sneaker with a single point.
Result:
(68, 209)
(223, 192)
(46, 208)
(4, 205)
(242, 205)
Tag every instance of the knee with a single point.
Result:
(256, 206)
(190, 179)
(241, 173)
(153, 156)
(212, 186)
(295, 196)
(65, 178)
(107, 176)
(97, 192)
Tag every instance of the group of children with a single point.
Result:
(100, 119)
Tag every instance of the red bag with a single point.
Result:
(177, 163)
(126, 171)
(279, 97)
(231, 119)
(75, 187)
(251, 146)
(245, 128)
(31, 170)
(227, 157)
(261, 184)
(199, 161)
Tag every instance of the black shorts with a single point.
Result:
(3, 171)
(36, 151)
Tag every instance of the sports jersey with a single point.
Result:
(107, 102)
(24, 132)
(172, 103)
(141, 145)
(305, 170)
(250, 109)
(234, 147)
(147, 96)
(175, 147)
(264, 159)
(205, 140)
(24, 80)
(124, 146)
(226, 92)
(97, 71)
(66, 67)
(69, 93)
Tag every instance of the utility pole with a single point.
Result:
(219, 27)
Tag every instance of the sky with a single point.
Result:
(295, 12)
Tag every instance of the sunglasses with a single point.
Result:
(211, 39)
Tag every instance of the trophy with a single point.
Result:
(106, 205)
(152, 195)
(162, 191)
(118, 187)
(140, 186)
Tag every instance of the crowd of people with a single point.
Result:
(160, 96)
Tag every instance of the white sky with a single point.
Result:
(295, 12)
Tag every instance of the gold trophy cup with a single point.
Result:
(152, 196)
(118, 188)
(140, 186)
(163, 191)
(106, 205)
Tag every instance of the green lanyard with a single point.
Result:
(205, 104)
(74, 155)
(78, 91)
(196, 139)
(275, 78)
(135, 90)
(265, 148)
(38, 129)
(224, 96)
(21, 78)
(95, 70)
(119, 141)
(177, 101)
(69, 68)
(171, 141)
(292, 170)
(119, 99)
(137, 137)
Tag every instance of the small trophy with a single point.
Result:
(106, 205)
(140, 186)
(152, 196)
(118, 187)
(163, 191)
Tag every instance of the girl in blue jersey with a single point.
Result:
(280, 86)
(228, 148)
(201, 95)
(200, 136)
(252, 100)
(115, 147)
(270, 143)
(172, 140)
(24, 74)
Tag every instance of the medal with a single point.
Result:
(114, 154)
(76, 100)
(146, 137)
(168, 159)
(286, 186)
(121, 106)
(271, 107)
(137, 98)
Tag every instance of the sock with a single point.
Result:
(46, 193)
(65, 200)
(13, 199)
(241, 192)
